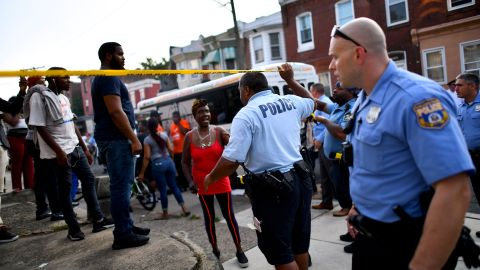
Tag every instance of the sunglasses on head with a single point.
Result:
(337, 33)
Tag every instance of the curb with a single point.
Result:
(202, 261)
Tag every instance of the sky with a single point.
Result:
(68, 33)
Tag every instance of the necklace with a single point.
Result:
(202, 139)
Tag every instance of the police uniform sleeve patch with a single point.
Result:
(431, 113)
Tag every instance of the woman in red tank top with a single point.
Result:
(203, 147)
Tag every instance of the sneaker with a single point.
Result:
(76, 236)
(242, 259)
(103, 224)
(349, 248)
(346, 237)
(140, 230)
(133, 240)
(6, 236)
(43, 215)
(323, 206)
(56, 216)
(341, 213)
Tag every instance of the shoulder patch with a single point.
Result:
(431, 113)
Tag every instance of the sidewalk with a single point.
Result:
(326, 249)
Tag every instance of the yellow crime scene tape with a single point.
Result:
(123, 72)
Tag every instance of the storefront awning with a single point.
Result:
(211, 57)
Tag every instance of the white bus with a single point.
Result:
(222, 95)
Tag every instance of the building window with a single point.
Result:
(230, 63)
(194, 65)
(344, 12)
(325, 79)
(132, 99)
(304, 32)
(400, 58)
(181, 66)
(397, 11)
(470, 57)
(456, 4)
(275, 46)
(434, 64)
(258, 49)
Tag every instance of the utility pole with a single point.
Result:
(239, 50)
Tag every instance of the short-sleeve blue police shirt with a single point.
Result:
(265, 133)
(406, 138)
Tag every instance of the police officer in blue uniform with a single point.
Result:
(265, 137)
(466, 86)
(404, 132)
(340, 114)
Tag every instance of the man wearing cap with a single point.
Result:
(451, 91)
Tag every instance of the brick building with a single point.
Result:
(438, 39)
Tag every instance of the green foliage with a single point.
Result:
(152, 64)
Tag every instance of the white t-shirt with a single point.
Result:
(63, 134)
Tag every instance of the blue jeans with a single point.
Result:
(163, 170)
(120, 165)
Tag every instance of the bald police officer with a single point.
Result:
(404, 133)
(265, 136)
(466, 86)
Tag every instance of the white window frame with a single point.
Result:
(302, 47)
(280, 57)
(404, 57)
(444, 66)
(450, 8)
(462, 56)
(254, 57)
(387, 7)
(329, 91)
(336, 10)
(190, 66)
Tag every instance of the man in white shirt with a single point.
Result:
(63, 150)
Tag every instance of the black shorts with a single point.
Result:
(284, 221)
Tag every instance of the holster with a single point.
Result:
(274, 182)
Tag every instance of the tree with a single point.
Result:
(152, 64)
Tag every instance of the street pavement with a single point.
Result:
(177, 243)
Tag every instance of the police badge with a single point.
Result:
(431, 114)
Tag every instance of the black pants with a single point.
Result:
(45, 186)
(325, 180)
(476, 178)
(182, 182)
(225, 202)
(393, 252)
(341, 183)
(79, 165)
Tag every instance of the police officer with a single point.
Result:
(466, 86)
(402, 122)
(340, 114)
(265, 136)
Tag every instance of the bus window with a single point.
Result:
(310, 85)
(224, 104)
(287, 91)
(276, 90)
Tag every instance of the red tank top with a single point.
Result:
(203, 161)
